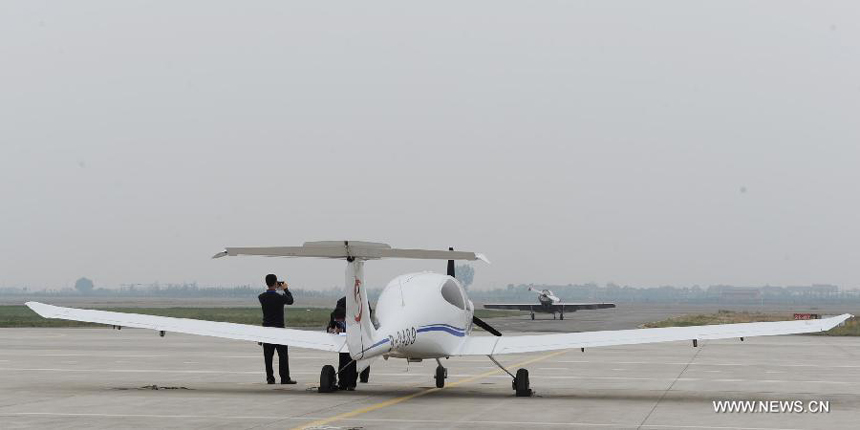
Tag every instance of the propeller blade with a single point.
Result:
(480, 323)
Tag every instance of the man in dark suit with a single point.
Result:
(272, 301)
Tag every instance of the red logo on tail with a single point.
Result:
(356, 292)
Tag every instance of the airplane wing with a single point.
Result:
(493, 345)
(580, 306)
(282, 336)
(515, 306)
(555, 307)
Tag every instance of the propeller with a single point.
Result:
(475, 320)
(480, 323)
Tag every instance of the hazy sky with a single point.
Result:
(645, 143)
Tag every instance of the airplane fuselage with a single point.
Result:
(545, 300)
(422, 315)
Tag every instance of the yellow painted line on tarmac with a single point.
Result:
(402, 399)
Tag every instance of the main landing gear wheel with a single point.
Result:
(327, 379)
(533, 315)
(521, 383)
(553, 315)
(441, 374)
(561, 317)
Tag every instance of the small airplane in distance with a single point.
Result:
(548, 303)
(421, 316)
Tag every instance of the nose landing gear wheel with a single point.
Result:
(441, 374)
(533, 315)
(561, 317)
(521, 383)
(327, 379)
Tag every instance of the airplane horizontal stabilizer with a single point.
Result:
(350, 249)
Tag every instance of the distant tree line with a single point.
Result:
(571, 292)
(819, 293)
(158, 290)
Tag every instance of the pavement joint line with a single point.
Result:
(680, 363)
(402, 399)
(306, 416)
(477, 411)
(400, 420)
(665, 392)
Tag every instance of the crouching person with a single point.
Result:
(347, 374)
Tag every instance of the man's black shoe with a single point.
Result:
(287, 382)
(270, 381)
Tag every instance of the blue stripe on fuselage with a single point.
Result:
(456, 331)
(443, 327)
(381, 342)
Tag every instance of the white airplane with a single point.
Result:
(421, 316)
(548, 303)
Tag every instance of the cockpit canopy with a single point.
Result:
(453, 294)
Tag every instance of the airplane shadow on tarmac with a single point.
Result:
(455, 393)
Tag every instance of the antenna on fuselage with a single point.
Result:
(451, 265)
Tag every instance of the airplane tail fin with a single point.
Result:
(360, 332)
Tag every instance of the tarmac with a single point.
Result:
(104, 379)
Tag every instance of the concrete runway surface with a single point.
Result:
(97, 378)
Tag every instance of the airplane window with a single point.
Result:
(451, 294)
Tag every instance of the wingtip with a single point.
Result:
(220, 254)
(39, 308)
(482, 257)
(837, 320)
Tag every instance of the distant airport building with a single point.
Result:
(730, 294)
(815, 290)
